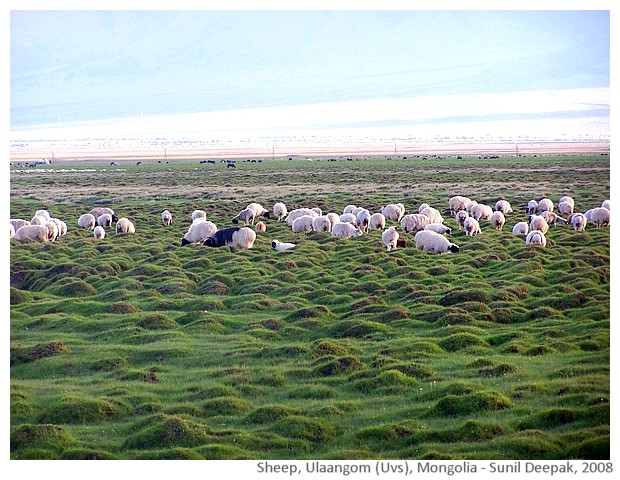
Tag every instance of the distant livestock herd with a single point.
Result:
(427, 224)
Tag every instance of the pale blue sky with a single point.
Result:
(92, 65)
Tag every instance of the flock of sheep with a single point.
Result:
(427, 224)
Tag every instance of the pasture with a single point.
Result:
(133, 347)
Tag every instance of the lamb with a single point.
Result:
(322, 223)
(303, 224)
(37, 233)
(566, 207)
(432, 242)
(198, 214)
(393, 212)
(438, 228)
(578, 221)
(498, 220)
(481, 212)
(198, 232)
(458, 203)
(538, 222)
(260, 227)
(279, 246)
(98, 211)
(19, 223)
(552, 218)
(298, 212)
(521, 228)
(433, 214)
(166, 218)
(246, 216)
(536, 237)
(545, 205)
(532, 207)
(390, 238)
(377, 221)
(348, 218)
(460, 218)
(87, 221)
(99, 232)
(471, 227)
(125, 226)
(362, 219)
(345, 229)
(606, 204)
(413, 222)
(503, 206)
(279, 211)
(259, 210)
(232, 237)
(105, 220)
(601, 217)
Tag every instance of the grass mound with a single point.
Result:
(169, 432)
(21, 354)
(78, 410)
(226, 406)
(471, 403)
(304, 428)
(52, 437)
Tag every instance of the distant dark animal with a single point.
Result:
(231, 165)
(138, 163)
(232, 237)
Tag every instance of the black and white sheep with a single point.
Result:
(232, 237)
(125, 226)
(279, 246)
(433, 242)
(198, 232)
(246, 216)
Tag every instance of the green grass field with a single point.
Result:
(134, 347)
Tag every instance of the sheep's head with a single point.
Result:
(184, 241)
(454, 248)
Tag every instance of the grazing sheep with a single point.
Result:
(566, 208)
(105, 220)
(537, 222)
(471, 204)
(19, 223)
(333, 218)
(349, 209)
(433, 214)
(260, 227)
(423, 206)
(166, 218)
(87, 221)
(390, 238)
(413, 222)
(588, 214)
(498, 220)
(38, 233)
(345, 229)
(532, 207)
(321, 223)
(460, 218)
(458, 203)
(198, 214)
(481, 212)
(606, 204)
(299, 212)
(393, 212)
(279, 246)
(578, 221)
(362, 219)
(53, 231)
(433, 242)
(38, 220)
(471, 227)
(520, 228)
(357, 210)
(12, 228)
(545, 205)
(279, 211)
(601, 217)
(43, 213)
(259, 210)
(303, 224)
(125, 226)
(348, 218)
(438, 228)
(99, 232)
(62, 226)
(198, 232)
(232, 237)
(98, 211)
(377, 221)
(246, 216)
(568, 199)
(536, 237)
(503, 206)
(317, 210)
(552, 218)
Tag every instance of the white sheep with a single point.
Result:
(545, 205)
(333, 218)
(412, 222)
(246, 216)
(433, 242)
(104, 220)
(348, 218)
(302, 224)
(578, 221)
(537, 222)
(345, 229)
(471, 204)
(377, 221)
(393, 212)
(362, 219)
(12, 229)
(53, 231)
(349, 209)
(299, 212)
(566, 207)
(439, 228)
(390, 238)
(37, 233)
(532, 207)
(471, 227)
(433, 214)
(279, 211)
(460, 218)
(601, 217)
(19, 223)
(198, 214)
(62, 226)
(536, 237)
(521, 228)
(498, 220)
(317, 210)
(99, 232)
(98, 211)
(43, 213)
(552, 218)
(232, 237)
(422, 207)
(166, 217)
(503, 206)
(198, 232)
(481, 212)
(568, 199)
(357, 210)
(279, 246)
(125, 226)
(87, 221)
(458, 203)
(260, 227)
(606, 204)
(38, 220)
(259, 210)
(588, 214)
(322, 223)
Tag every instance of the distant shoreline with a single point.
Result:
(27, 152)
